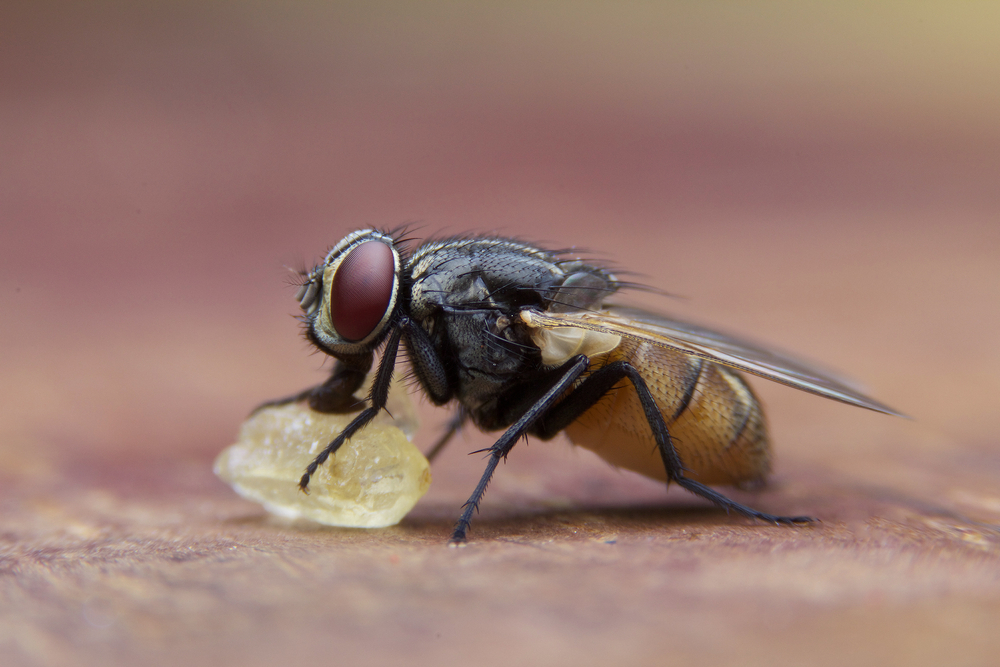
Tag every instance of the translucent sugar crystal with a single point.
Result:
(372, 481)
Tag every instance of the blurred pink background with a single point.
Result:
(822, 177)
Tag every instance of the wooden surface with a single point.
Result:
(823, 179)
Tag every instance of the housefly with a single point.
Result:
(525, 341)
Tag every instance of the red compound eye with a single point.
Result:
(362, 289)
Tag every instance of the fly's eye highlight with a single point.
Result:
(362, 289)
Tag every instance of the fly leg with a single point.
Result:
(567, 375)
(334, 395)
(285, 400)
(422, 356)
(377, 399)
(455, 425)
(601, 381)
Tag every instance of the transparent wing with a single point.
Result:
(720, 348)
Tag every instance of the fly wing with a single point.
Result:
(717, 347)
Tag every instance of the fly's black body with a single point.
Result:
(524, 341)
(466, 294)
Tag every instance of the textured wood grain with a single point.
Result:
(101, 572)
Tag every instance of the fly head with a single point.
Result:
(350, 299)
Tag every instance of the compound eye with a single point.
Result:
(362, 290)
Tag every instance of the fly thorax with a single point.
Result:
(483, 341)
(445, 289)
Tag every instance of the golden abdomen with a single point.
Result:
(714, 420)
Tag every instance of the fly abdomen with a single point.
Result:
(722, 437)
(715, 421)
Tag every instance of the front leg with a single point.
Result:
(420, 354)
(336, 395)
(377, 398)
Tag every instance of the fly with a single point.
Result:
(526, 342)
